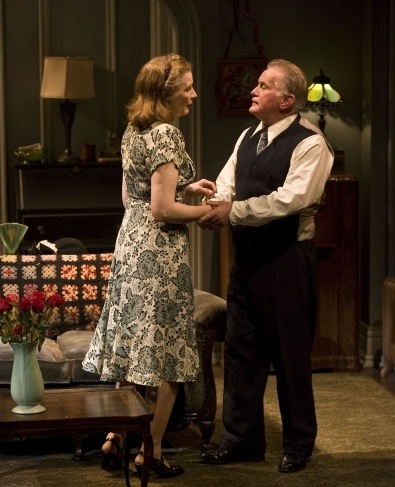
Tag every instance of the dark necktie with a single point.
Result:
(262, 141)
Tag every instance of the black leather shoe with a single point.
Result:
(292, 463)
(220, 456)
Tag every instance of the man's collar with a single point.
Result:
(277, 127)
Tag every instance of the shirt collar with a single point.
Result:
(276, 128)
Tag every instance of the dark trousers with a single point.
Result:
(271, 321)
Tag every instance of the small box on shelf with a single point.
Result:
(114, 151)
(108, 157)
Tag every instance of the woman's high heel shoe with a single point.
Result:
(159, 467)
(113, 461)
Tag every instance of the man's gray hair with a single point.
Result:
(293, 83)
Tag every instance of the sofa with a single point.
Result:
(82, 281)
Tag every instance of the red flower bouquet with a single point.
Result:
(26, 319)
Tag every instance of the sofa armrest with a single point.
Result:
(55, 367)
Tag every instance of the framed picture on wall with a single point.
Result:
(236, 79)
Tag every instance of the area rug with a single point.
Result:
(355, 447)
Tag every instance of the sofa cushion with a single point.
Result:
(74, 345)
(54, 365)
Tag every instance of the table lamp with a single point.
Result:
(321, 94)
(67, 78)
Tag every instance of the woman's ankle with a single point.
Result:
(112, 443)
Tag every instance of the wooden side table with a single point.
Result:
(82, 201)
(74, 412)
(336, 241)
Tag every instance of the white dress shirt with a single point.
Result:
(310, 166)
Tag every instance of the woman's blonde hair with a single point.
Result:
(155, 85)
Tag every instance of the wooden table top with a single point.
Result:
(75, 410)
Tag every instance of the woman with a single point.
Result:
(145, 334)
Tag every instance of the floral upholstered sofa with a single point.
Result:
(82, 281)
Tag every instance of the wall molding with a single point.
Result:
(44, 30)
(188, 43)
(391, 142)
(370, 343)
(111, 67)
(3, 161)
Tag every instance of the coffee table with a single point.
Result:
(75, 412)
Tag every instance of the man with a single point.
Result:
(269, 197)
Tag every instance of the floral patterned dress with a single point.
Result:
(145, 334)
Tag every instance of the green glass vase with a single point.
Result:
(27, 385)
(11, 234)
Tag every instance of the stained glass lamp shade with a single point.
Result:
(321, 94)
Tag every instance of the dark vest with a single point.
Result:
(262, 174)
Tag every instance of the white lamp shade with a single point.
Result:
(68, 78)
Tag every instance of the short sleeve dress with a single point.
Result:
(145, 334)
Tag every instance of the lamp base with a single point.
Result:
(67, 156)
(67, 112)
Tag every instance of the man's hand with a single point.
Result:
(204, 187)
(218, 217)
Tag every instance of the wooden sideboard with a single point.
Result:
(336, 241)
(81, 201)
